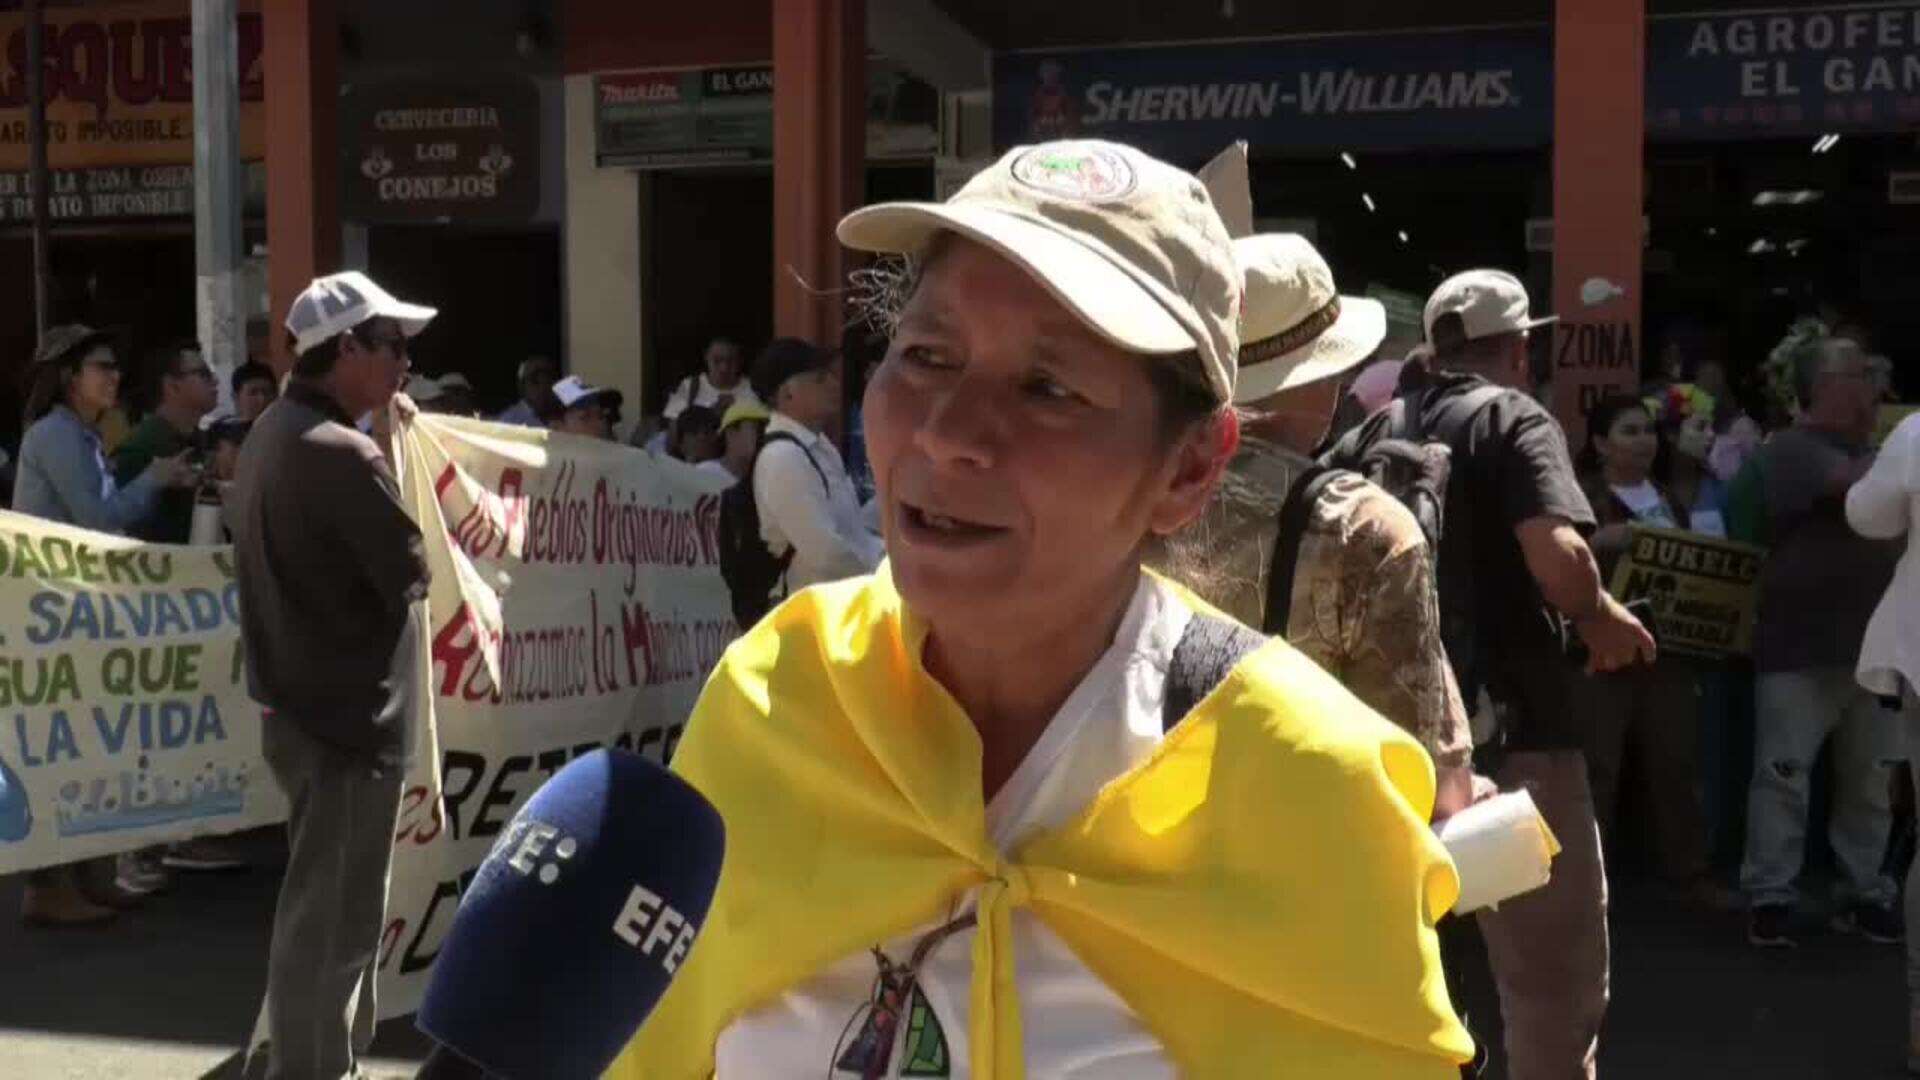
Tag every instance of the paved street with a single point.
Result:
(168, 992)
(171, 993)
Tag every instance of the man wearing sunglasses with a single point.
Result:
(184, 390)
(331, 574)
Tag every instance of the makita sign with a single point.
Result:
(1479, 88)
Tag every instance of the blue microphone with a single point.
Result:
(580, 916)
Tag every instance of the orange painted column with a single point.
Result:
(1599, 139)
(302, 71)
(819, 158)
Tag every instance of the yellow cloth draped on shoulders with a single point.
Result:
(1260, 891)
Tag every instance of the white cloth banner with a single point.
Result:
(576, 602)
(124, 715)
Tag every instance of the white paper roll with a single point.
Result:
(207, 527)
(1502, 847)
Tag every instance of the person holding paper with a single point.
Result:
(1006, 807)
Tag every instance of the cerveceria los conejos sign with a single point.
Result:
(430, 151)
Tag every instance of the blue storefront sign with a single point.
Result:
(1782, 73)
(1469, 88)
(1752, 75)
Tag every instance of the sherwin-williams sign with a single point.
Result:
(119, 85)
(1723, 76)
(1458, 88)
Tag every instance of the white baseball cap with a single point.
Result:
(1129, 244)
(1296, 328)
(1489, 303)
(573, 390)
(339, 302)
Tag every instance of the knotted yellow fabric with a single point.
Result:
(1260, 891)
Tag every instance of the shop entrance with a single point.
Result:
(1747, 237)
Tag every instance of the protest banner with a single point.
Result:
(1703, 590)
(124, 715)
(576, 603)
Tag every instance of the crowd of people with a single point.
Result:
(1060, 408)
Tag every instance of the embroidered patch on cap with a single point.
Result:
(1080, 171)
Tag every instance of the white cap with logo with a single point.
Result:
(339, 302)
(1489, 303)
(1129, 244)
(573, 390)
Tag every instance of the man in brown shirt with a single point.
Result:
(331, 572)
(1363, 603)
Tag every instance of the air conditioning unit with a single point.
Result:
(1903, 187)
(1540, 233)
(966, 125)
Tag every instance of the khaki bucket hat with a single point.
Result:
(1297, 328)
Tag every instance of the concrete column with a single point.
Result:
(603, 237)
(219, 188)
(302, 70)
(819, 158)
(1599, 126)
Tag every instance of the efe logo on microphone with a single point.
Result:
(539, 849)
(646, 913)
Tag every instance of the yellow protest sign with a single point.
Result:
(1703, 590)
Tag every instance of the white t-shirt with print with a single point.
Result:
(1075, 1027)
(1644, 501)
(706, 394)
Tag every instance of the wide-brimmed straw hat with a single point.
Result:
(1297, 328)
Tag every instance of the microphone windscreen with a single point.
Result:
(579, 918)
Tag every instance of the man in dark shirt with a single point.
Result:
(331, 572)
(184, 391)
(1817, 591)
(1514, 554)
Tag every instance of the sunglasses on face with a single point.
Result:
(396, 342)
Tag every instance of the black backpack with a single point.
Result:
(1406, 450)
(749, 567)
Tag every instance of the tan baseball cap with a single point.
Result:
(1297, 328)
(1489, 303)
(1130, 244)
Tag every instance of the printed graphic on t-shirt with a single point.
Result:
(897, 1003)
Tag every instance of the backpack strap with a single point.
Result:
(1455, 413)
(785, 559)
(1207, 652)
(781, 436)
(1294, 513)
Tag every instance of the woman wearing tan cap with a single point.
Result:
(1012, 806)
